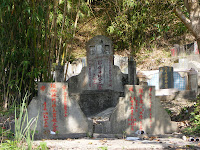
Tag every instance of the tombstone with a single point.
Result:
(175, 50)
(140, 110)
(59, 115)
(166, 79)
(187, 49)
(100, 63)
(99, 85)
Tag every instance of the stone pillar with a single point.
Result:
(131, 71)
(193, 80)
(166, 79)
(59, 73)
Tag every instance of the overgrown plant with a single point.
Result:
(23, 126)
(24, 129)
(194, 120)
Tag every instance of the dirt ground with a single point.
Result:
(165, 142)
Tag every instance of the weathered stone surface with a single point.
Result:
(59, 73)
(140, 110)
(193, 80)
(100, 63)
(79, 83)
(122, 63)
(131, 72)
(100, 84)
(76, 66)
(59, 115)
(166, 79)
(93, 102)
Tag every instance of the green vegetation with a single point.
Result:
(24, 130)
(36, 35)
(194, 129)
(103, 148)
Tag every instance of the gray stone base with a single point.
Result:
(60, 136)
(94, 102)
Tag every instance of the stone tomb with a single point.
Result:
(166, 79)
(98, 87)
(140, 110)
(59, 116)
(100, 63)
(100, 84)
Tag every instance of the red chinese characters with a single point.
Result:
(42, 88)
(65, 101)
(45, 115)
(132, 120)
(53, 102)
(141, 104)
(131, 89)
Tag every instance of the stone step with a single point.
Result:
(101, 123)
(98, 135)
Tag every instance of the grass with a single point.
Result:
(24, 135)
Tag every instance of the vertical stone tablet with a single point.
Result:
(100, 63)
(58, 114)
(166, 79)
(140, 110)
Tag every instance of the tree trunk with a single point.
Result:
(193, 22)
(198, 43)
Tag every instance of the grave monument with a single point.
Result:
(166, 79)
(100, 84)
(141, 110)
(59, 116)
(69, 109)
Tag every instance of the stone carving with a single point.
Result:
(100, 63)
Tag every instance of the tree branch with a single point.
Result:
(187, 5)
(184, 19)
